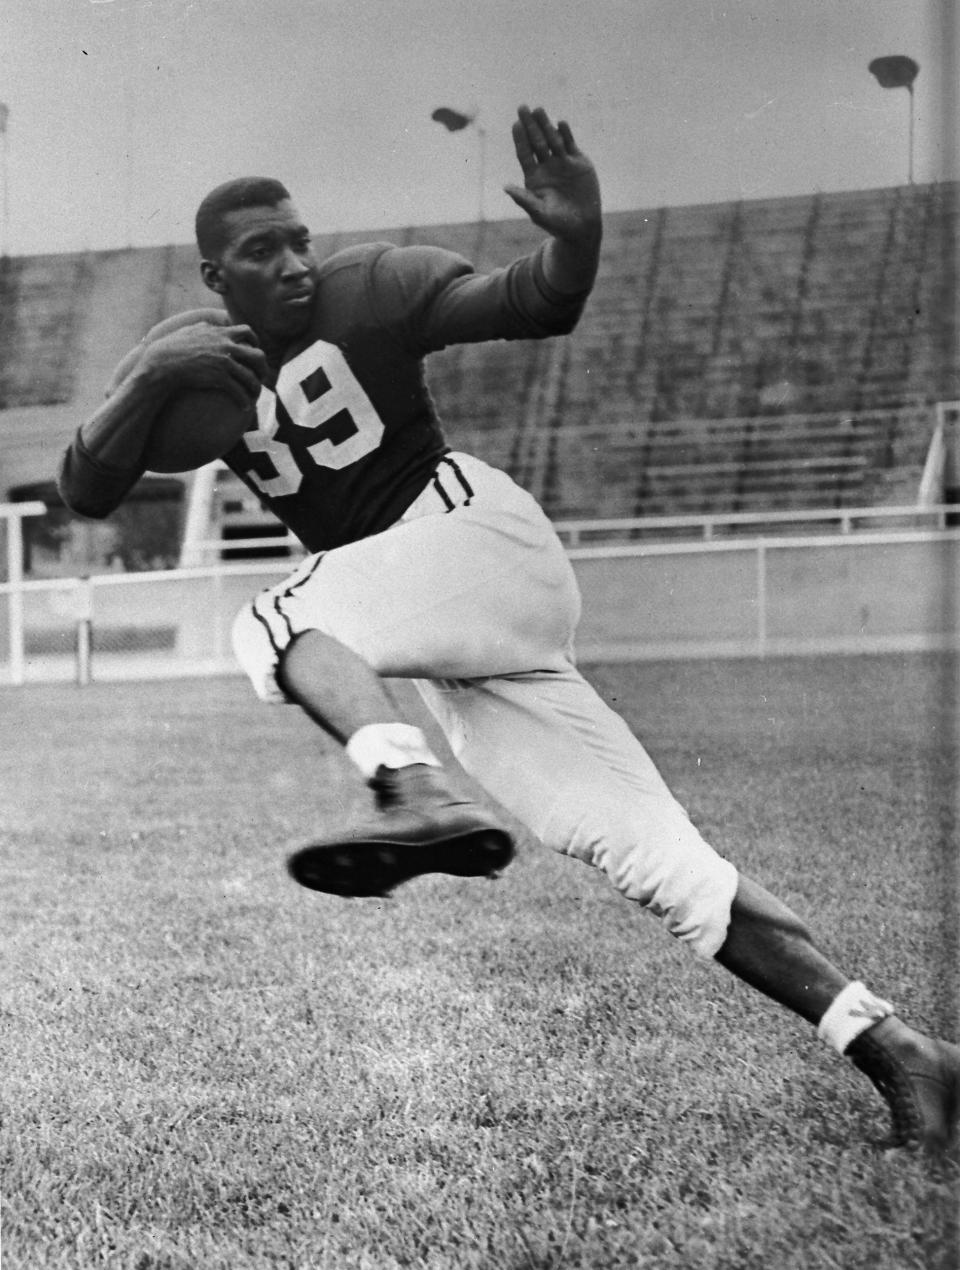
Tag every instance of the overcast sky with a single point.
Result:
(123, 113)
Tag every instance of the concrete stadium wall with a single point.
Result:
(763, 597)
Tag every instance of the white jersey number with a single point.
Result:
(353, 428)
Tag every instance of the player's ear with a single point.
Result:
(212, 275)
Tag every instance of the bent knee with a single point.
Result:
(657, 859)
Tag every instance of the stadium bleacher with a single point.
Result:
(734, 356)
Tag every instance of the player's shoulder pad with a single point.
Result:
(359, 254)
(416, 260)
(407, 281)
(397, 283)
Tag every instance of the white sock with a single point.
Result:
(851, 1012)
(389, 745)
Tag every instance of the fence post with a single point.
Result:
(15, 610)
(84, 613)
(13, 514)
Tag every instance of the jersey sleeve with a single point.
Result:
(434, 297)
(90, 487)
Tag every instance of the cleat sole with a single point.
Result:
(373, 867)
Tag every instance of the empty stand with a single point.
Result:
(783, 352)
(41, 299)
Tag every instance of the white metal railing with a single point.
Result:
(72, 622)
(574, 531)
(76, 606)
(765, 549)
(733, 596)
(13, 514)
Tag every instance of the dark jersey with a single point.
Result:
(347, 434)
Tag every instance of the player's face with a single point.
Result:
(266, 272)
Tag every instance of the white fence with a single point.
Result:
(11, 518)
(874, 591)
(845, 520)
(890, 585)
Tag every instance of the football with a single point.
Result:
(195, 428)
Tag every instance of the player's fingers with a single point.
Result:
(244, 334)
(536, 141)
(524, 199)
(525, 155)
(551, 137)
(567, 136)
(123, 370)
(254, 358)
(243, 378)
(243, 346)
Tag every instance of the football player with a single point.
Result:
(430, 565)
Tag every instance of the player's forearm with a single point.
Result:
(117, 432)
(551, 287)
(570, 265)
(89, 487)
(105, 458)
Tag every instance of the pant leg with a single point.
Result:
(568, 767)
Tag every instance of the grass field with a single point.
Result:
(207, 1068)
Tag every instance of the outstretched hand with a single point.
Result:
(561, 191)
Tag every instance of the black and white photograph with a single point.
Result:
(444, 445)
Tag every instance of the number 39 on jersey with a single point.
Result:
(316, 390)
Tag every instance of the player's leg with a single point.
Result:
(772, 949)
(422, 821)
(552, 754)
(483, 589)
(568, 767)
(335, 687)
(557, 757)
(769, 947)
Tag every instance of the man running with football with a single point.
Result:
(430, 565)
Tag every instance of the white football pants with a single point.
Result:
(471, 595)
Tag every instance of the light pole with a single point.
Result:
(5, 180)
(456, 121)
(898, 71)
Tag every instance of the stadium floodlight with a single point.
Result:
(898, 71)
(457, 121)
(4, 179)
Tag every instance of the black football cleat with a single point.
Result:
(422, 824)
(919, 1077)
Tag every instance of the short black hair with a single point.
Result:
(243, 191)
